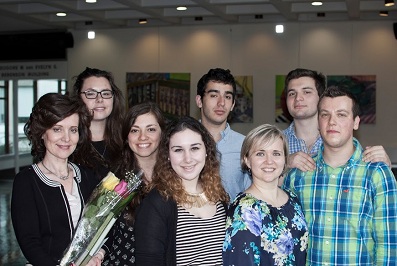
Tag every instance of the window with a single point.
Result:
(28, 92)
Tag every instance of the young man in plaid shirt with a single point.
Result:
(350, 205)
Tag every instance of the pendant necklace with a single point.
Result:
(197, 200)
(60, 177)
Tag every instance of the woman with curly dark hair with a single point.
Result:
(97, 90)
(48, 197)
(182, 219)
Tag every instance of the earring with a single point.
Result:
(249, 171)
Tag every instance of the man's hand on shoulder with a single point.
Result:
(302, 161)
(376, 154)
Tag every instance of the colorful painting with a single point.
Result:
(171, 91)
(362, 86)
(243, 109)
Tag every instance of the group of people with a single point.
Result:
(210, 196)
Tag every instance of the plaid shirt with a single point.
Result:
(351, 211)
(295, 144)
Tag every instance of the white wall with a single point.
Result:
(334, 48)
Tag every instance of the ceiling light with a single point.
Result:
(90, 1)
(91, 34)
(181, 8)
(317, 3)
(389, 2)
(383, 13)
(61, 14)
(279, 28)
(142, 21)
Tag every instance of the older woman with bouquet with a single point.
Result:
(48, 197)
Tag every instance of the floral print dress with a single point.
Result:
(260, 234)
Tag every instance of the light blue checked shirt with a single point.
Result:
(234, 180)
(351, 211)
(295, 144)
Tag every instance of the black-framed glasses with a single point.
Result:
(91, 94)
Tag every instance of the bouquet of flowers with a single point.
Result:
(104, 206)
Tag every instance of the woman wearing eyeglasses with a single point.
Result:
(97, 90)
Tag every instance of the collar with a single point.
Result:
(225, 131)
(356, 156)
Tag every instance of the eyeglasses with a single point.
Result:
(91, 94)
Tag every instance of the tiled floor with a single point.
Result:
(10, 254)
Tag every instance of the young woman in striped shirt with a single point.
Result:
(182, 220)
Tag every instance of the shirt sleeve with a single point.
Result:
(26, 222)
(151, 231)
(385, 216)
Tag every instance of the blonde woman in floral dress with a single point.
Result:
(265, 225)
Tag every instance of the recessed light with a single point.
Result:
(389, 2)
(90, 1)
(317, 3)
(142, 21)
(181, 8)
(61, 14)
(91, 35)
(279, 28)
(383, 13)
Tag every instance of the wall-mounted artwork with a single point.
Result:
(362, 86)
(171, 91)
(243, 109)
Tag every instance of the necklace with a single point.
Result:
(197, 200)
(60, 177)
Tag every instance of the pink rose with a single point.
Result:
(121, 188)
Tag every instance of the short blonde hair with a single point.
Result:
(264, 134)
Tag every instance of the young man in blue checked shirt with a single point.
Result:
(216, 97)
(303, 88)
(350, 205)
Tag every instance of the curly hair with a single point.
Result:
(265, 135)
(167, 182)
(128, 161)
(112, 135)
(216, 75)
(49, 110)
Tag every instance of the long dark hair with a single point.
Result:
(112, 134)
(128, 161)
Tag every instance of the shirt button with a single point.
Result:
(330, 197)
(333, 176)
(329, 219)
(327, 242)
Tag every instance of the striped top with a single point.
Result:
(199, 240)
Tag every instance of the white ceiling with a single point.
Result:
(26, 15)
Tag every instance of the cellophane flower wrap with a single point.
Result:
(104, 206)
